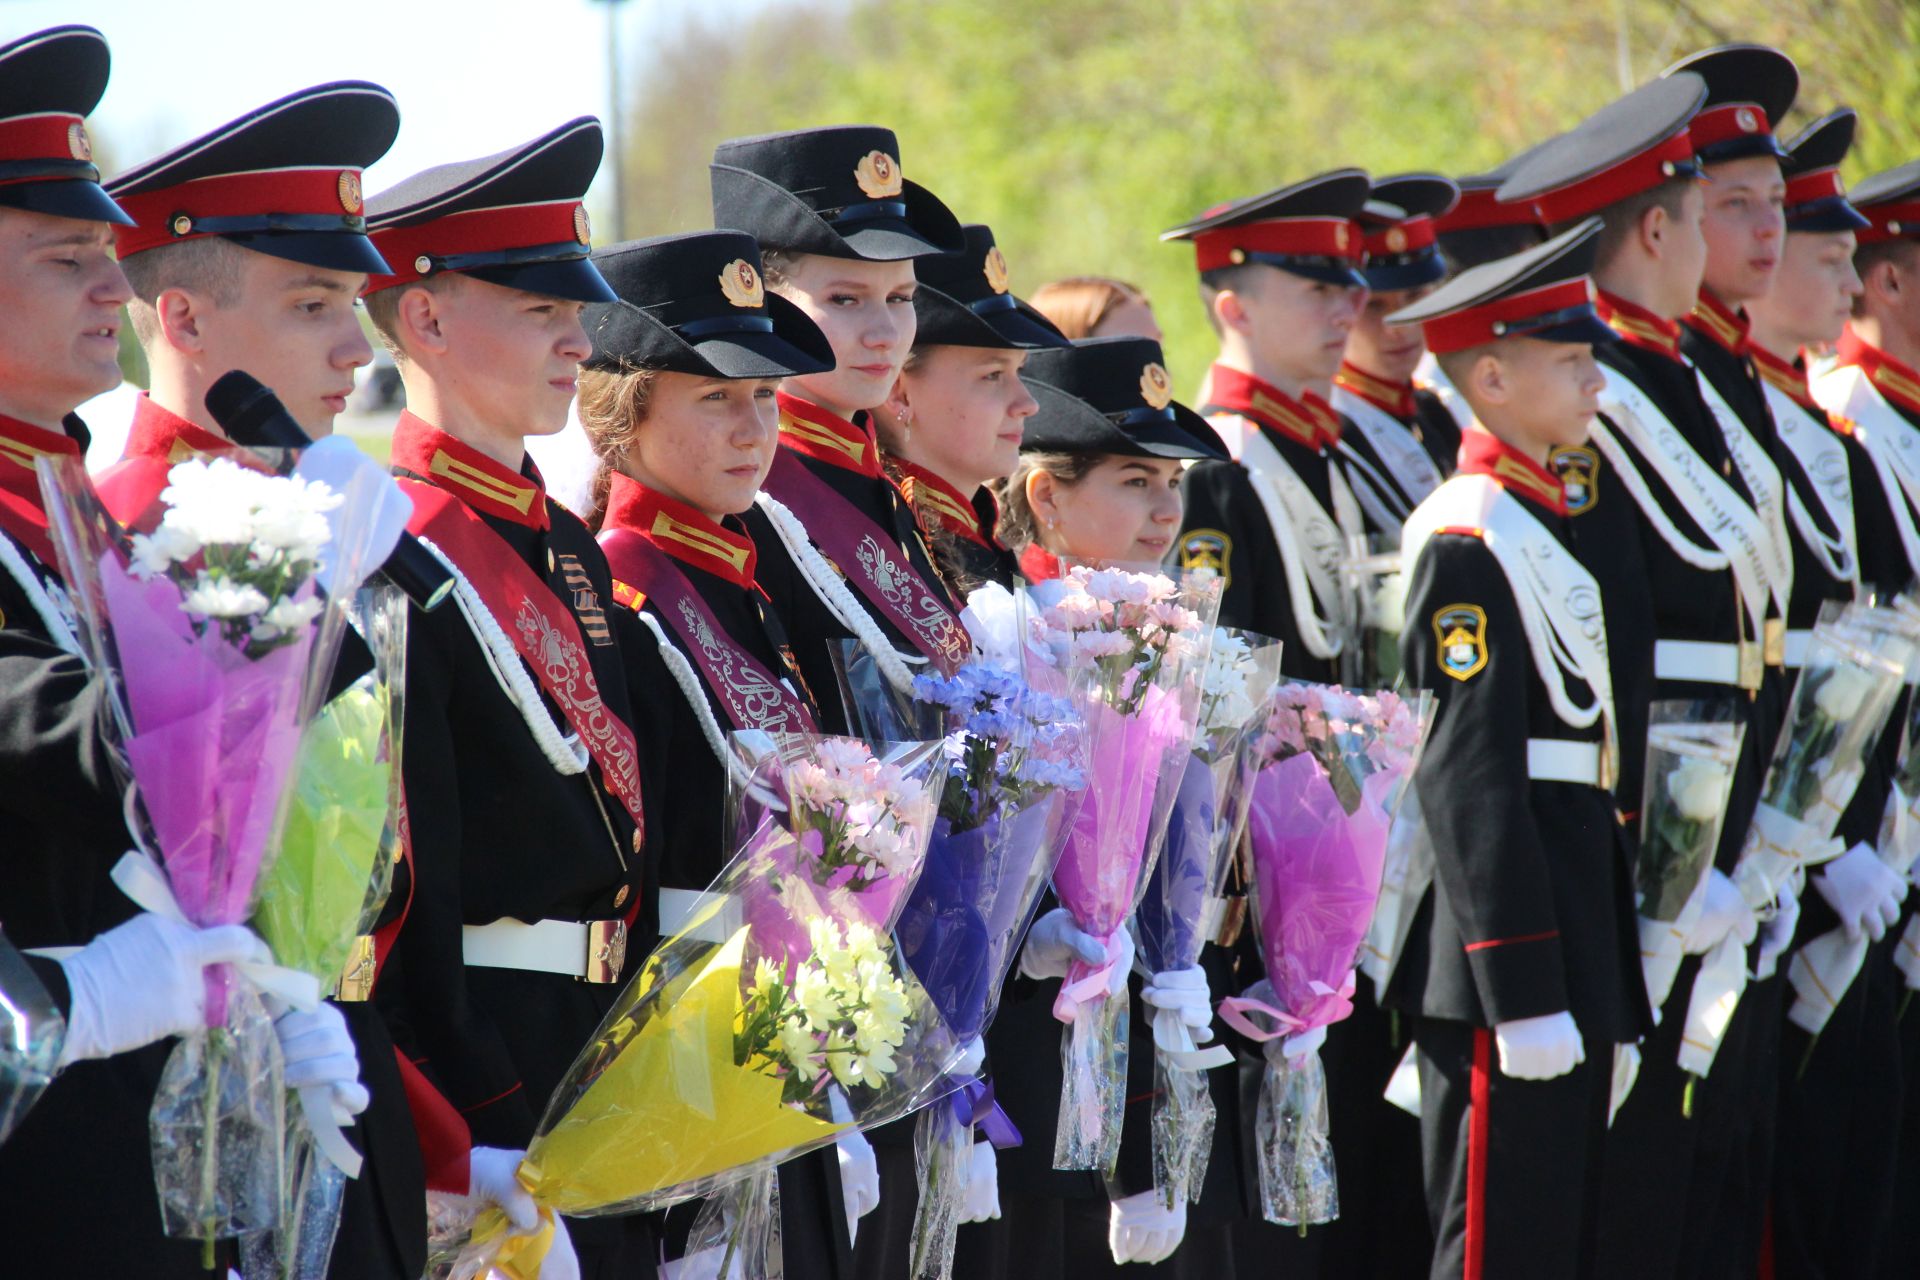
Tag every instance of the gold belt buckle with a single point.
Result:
(606, 950)
(1753, 664)
(356, 976)
(1774, 634)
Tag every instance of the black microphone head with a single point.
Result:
(252, 415)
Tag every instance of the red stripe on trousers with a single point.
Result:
(1476, 1243)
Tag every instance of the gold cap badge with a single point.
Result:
(350, 190)
(741, 284)
(1340, 237)
(878, 175)
(78, 142)
(1156, 388)
(1747, 119)
(1396, 241)
(582, 229)
(996, 269)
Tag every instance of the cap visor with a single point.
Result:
(334, 251)
(1325, 273)
(87, 201)
(575, 279)
(791, 350)
(1406, 275)
(1827, 215)
(1590, 329)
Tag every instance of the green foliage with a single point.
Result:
(1079, 129)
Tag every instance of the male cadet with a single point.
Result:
(76, 1177)
(1280, 278)
(1836, 1090)
(248, 251)
(1710, 577)
(1520, 961)
(1375, 387)
(1875, 386)
(521, 776)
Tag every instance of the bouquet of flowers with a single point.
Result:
(778, 1016)
(217, 629)
(319, 900)
(31, 1036)
(1856, 666)
(1182, 907)
(1330, 766)
(1129, 648)
(1692, 748)
(1825, 967)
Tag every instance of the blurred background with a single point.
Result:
(1077, 128)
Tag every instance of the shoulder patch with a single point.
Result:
(1208, 549)
(1461, 630)
(628, 597)
(1579, 470)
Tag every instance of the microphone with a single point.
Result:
(253, 417)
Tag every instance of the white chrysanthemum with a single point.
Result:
(212, 501)
(801, 1048)
(161, 550)
(285, 617)
(814, 992)
(222, 598)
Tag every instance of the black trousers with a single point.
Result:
(1839, 1135)
(1512, 1166)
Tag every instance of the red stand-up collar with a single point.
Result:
(469, 475)
(1484, 454)
(927, 492)
(22, 510)
(1395, 398)
(687, 535)
(1890, 377)
(827, 437)
(1720, 323)
(164, 435)
(1639, 326)
(1784, 374)
(1039, 564)
(1308, 420)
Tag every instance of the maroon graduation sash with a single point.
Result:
(545, 635)
(871, 561)
(753, 696)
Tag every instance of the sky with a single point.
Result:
(471, 76)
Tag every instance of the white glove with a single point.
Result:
(1184, 991)
(983, 1186)
(1776, 935)
(1141, 1228)
(1725, 912)
(704, 1265)
(141, 981)
(1863, 891)
(490, 1179)
(973, 1056)
(1054, 942)
(859, 1177)
(560, 1262)
(1307, 1042)
(318, 1051)
(1539, 1048)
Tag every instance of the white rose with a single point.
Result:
(1841, 693)
(1387, 610)
(1699, 789)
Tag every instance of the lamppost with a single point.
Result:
(614, 113)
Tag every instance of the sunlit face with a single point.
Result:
(967, 408)
(1125, 510)
(1683, 255)
(1388, 351)
(706, 442)
(295, 328)
(1543, 394)
(60, 293)
(510, 355)
(1130, 318)
(1813, 291)
(1298, 327)
(866, 310)
(1744, 225)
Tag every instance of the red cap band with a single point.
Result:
(1725, 122)
(168, 215)
(1411, 236)
(1478, 209)
(1301, 237)
(1891, 221)
(1816, 184)
(54, 135)
(1459, 330)
(1630, 177)
(476, 231)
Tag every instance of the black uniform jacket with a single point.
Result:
(1526, 907)
(497, 831)
(852, 467)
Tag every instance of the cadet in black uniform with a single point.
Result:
(76, 1176)
(1520, 960)
(1375, 388)
(1826, 1218)
(522, 780)
(841, 229)
(954, 421)
(1633, 163)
